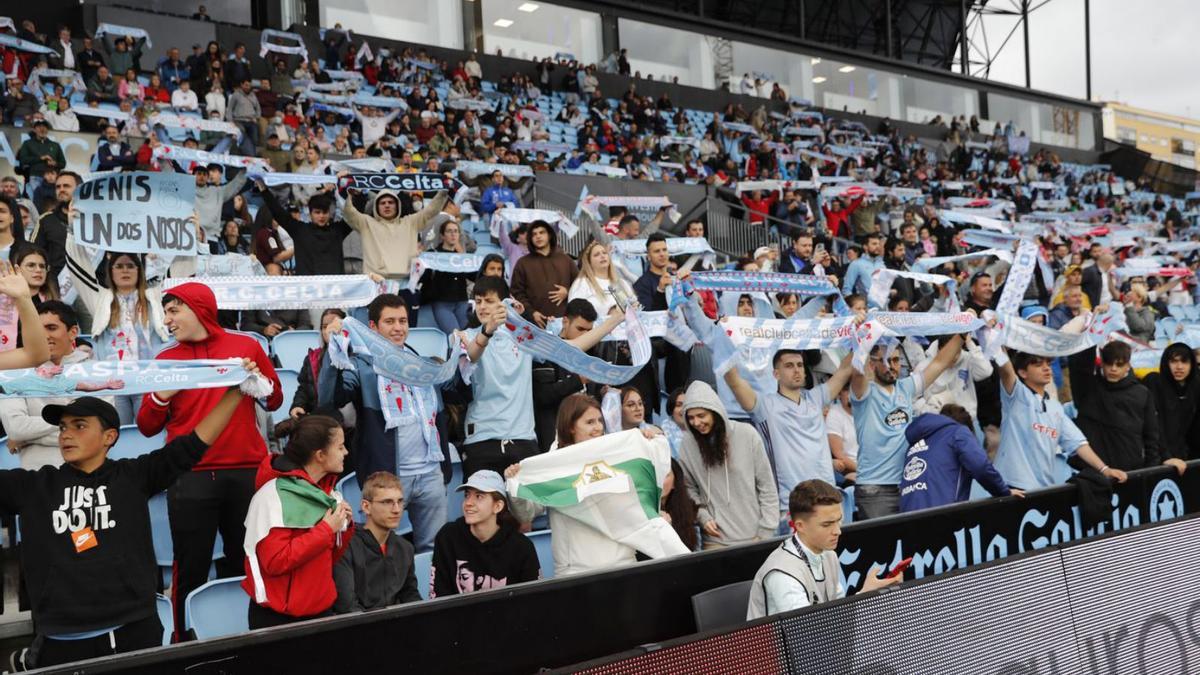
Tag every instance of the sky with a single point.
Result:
(1144, 53)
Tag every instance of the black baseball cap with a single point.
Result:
(84, 406)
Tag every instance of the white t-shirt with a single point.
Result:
(840, 423)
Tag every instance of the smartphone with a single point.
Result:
(899, 568)
(819, 248)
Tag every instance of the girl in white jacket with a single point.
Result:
(600, 281)
(127, 315)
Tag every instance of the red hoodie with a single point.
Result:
(240, 445)
(297, 563)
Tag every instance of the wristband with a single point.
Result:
(1103, 469)
(484, 333)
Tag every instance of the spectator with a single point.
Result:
(1176, 391)
(231, 240)
(980, 293)
(62, 45)
(540, 279)
(129, 89)
(727, 473)
(799, 258)
(237, 68)
(126, 312)
(957, 383)
(377, 569)
(1036, 436)
(677, 507)
(123, 52)
(19, 104)
(1116, 412)
(883, 408)
(500, 422)
(318, 244)
(498, 195)
(214, 101)
(1099, 280)
(633, 409)
(943, 458)
(211, 197)
(244, 110)
(395, 426)
(445, 293)
(1139, 316)
(155, 92)
(171, 71)
(289, 568)
(792, 419)
(305, 400)
(599, 282)
(30, 262)
(389, 240)
(114, 154)
(651, 286)
(215, 494)
(12, 225)
(804, 570)
(39, 152)
(858, 274)
(102, 87)
(1072, 306)
(29, 436)
(484, 549)
(50, 234)
(843, 439)
(184, 99)
(274, 153)
(108, 599)
(552, 383)
(269, 249)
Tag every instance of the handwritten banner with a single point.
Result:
(137, 212)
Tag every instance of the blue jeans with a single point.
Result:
(249, 141)
(425, 499)
(449, 316)
(128, 407)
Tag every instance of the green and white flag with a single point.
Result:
(611, 484)
(282, 502)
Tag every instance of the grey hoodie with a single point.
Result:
(739, 494)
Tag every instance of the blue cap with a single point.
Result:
(1031, 311)
(485, 481)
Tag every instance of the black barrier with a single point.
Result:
(1095, 606)
(573, 619)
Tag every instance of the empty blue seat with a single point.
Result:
(165, 616)
(289, 381)
(7, 459)
(545, 553)
(291, 347)
(422, 564)
(429, 342)
(454, 500)
(848, 504)
(131, 443)
(262, 341)
(217, 608)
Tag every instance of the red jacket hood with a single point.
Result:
(201, 300)
(278, 466)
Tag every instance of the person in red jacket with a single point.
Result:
(215, 494)
(757, 206)
(837, 217)
(297, 528)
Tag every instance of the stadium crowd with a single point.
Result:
(926, 419)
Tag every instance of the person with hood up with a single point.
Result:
(727, 473)
(390, 241)
(541, 279)
(215, 494)
(1116, 412)
(297, 526)
(485, 548)
(943, 458)
(1176, 391)
(211, 196)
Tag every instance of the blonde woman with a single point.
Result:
(599, 279)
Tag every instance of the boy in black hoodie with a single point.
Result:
(86, 548)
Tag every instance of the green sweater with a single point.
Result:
(29, 157)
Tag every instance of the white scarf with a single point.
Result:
(126, 340)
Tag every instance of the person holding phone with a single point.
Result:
(804, 569)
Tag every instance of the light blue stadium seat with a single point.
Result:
(7, 459)
(1176, 311)
(422, 564)
(290, 347)
(545, 553)
(428, 341)
(1192, 312)
(454, 499)
(484, 249)
(131, 443)
(165, 616)
(848, 504)
(289, 381)
(160, 537)
(217, 608)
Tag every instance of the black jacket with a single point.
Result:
(318, 249)
(1118, 418)
(52, 231)
(551, 384)
(444, 286)
(369, 578)
(463, 564)
(1177, 405)
(78, 582)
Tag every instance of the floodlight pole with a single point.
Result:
(1025, 26)
(1087, 45)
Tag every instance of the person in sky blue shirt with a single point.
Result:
(497, 195)
(500, 423)
(943, 458)
(882, 406)
(858, 274)
(1036, 437)
(396, 428)
(791, 419)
